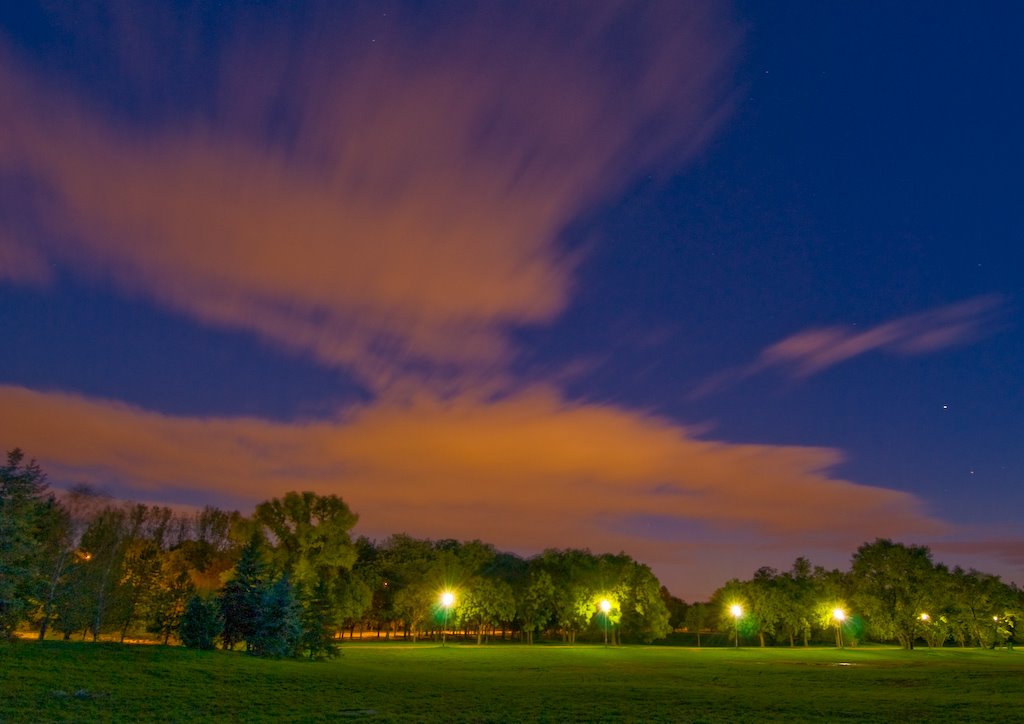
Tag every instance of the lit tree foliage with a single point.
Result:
(893, 585)
(536, 603)
(487, 603)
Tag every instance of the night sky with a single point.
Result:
(712, 285)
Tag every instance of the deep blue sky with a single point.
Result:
(709, 279)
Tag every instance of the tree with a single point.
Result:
(279, 627)
(575, 575)
(414, 574)
(677, 609)
(536, 604)
(697, 618)
(352, 599)
(103, 550)
(488, 602)
(23, 511)
(216, 542)
(140, 582)
(200, 623)
(644, 613)
(830, 593)
(69, 521)
(893, 583)
(796, 589)
(311, 533)
(978, 601)
(766, 600)
(52, 557)
(173, 590)
(318, 624)
(241, 597)
(722, 603)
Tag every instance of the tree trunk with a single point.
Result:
(51, 594)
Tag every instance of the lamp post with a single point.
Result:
(447, 599)
(736, 610)
(839, 615)
(606, 606)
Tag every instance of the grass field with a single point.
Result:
(57, 681)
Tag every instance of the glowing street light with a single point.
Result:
(925, 617)
(736, 610)
(606, 606)
(839, 615)
(447, 599)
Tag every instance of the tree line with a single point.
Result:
(289, 580)
(892, 592)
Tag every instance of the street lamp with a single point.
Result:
(606, 606)
(447, 599)
(839, 615)
(736, 610)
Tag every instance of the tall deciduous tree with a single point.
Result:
(487, 603)
(311, 533)
(536, 603)
(77, 509)
(103, 549)
(644, 614)
(893, 585)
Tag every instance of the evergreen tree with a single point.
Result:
(241, 598)
(200, 624)
(318, 625)
(23, 503)
(279, 630)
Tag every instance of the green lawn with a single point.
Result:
(56, 681)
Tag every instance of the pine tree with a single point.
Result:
(23, 503)
(200, 624)
(241, 598)
(279, 633)
(318, 625)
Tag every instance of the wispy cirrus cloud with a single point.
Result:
(807, 353)
(524, 472)
(372, 193)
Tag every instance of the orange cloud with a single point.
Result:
(525, 472)
(411, 212)
(812, 351)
